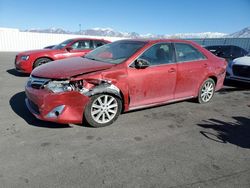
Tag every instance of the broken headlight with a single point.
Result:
(64, 86)
(59, 86)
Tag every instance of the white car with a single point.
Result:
(239, 69)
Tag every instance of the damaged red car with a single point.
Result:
(26, 61)
(123, 76)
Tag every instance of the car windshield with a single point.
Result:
(115, 52)
(62, 45)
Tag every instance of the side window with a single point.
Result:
(186, 52)
(226, 51)
(237, 51)
(98, 43)
(159, 54)
(81, 45)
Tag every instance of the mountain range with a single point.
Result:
(244, 33)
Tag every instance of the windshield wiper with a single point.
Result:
(91, 58)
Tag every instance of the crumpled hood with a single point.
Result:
(242, 61)
(69, 67)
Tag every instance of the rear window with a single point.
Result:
(98, 43)
(186, 52)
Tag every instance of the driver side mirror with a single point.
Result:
(141, 63)
(69, 48)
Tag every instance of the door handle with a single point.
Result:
(171, 70)
(205, 65)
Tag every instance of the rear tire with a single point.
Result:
(206, 91)
(102, 110)
(41, 61)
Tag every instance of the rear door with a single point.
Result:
(191, 70)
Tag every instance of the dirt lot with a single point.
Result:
(180, 145)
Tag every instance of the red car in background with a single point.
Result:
(122, 76)
(26, 61)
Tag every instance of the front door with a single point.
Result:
(80, 48)
(156, 83)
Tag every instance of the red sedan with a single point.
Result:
(122, 76)
(26, 61)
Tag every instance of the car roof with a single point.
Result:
(159, 40)
(86, 38)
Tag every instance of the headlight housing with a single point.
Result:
(59, 86)
(66, 85)
(25, 57)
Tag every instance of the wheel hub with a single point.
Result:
(104, 109)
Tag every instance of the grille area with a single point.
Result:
(241, 70)
(37, 83)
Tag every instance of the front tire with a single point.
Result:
(206, 91)
(102, 110)
(41, 61)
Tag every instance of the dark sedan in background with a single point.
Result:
(228, 52)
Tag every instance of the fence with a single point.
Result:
(241, 42)
(14, 40)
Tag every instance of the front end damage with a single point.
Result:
(64, 101)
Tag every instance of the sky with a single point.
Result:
(141, 16)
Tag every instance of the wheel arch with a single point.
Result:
(214, 78)
(108, 88)
(88, 118)
(47, 57)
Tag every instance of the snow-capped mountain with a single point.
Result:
(113, 33)
(92, 32)
(244, 33)
(108, 32)
(50, 30)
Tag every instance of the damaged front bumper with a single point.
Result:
(63, 101)
(65, 107)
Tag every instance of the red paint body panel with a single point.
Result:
(151, 85)
(139, 88)
(26, 66)
(189, 78)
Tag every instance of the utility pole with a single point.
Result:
(80, 28)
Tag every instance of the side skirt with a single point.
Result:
(160, 103)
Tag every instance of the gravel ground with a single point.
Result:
(179, 145)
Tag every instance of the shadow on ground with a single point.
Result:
(237, 84)
(231, 86)
(237, 132)
(17, 103)
(14, 72)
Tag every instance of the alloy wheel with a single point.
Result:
(104, 109)
(207, 91)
